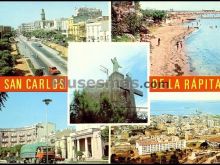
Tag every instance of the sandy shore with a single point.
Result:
(166, 59)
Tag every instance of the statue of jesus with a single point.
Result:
(116, 66)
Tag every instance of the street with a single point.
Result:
(41, 56)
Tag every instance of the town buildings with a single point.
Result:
(87, 24)
(56, 24)
(25, 135)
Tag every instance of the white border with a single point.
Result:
(147, 79)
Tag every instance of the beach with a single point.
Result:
(166, 59)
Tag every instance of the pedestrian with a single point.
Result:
(158, 42)
(181, 44)
(177, 45)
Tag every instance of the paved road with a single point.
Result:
(29, 54)
(42, 57)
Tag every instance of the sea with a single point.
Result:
(184, 107)
(203, 46)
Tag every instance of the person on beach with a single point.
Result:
(181, 44)
(158, 42)
(177, 45)
(188, 27)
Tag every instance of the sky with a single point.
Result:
(85, 60)
(15, 13)
(184, 96)
(160, 5)
(184, 107)
(180, 103)
(26, 109)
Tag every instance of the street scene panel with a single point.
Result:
(37, 132)
(35, 39)
(107, 86)
(183, 36)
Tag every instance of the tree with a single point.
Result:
(163, 159)
(174, 159)
(105, 134)
(153, 157)
(105, 113)
(4, 45)
(7, 62)
(3, 99)
(133, 22)
(137, 5)
(85, 108)
(204, 145)
(156, 15)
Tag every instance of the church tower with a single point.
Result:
(42, 15)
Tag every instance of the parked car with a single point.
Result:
(39, 72)
(53, 70)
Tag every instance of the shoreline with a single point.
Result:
(166, 58)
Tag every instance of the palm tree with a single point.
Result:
(3, 98)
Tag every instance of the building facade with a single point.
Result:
(14, 136)
(151, 146)
(61, 25)
(76, 31)
(86, 140)
(98, 30)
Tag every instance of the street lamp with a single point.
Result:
(47, 102)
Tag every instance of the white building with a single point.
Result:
(171, 130)
(98, 30)
(150, 146)
(210, 123)
(27, 27)
(61, 25)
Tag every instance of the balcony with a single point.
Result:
(13, 135)
(29, 134)
(14, 141)
(22, 140)
(5, 136)
(22, 135)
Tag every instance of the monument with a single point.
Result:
(122, 92)
(118, 88)
(116, 66)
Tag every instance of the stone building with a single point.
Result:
(85, 139)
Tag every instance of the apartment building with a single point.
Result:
(98, 30)
(151, 146)
(25, 135)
